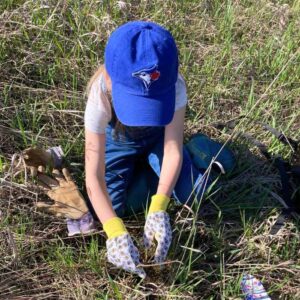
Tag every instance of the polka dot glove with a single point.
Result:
(158, 227)
(120, 248)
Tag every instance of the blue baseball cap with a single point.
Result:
(141, 59)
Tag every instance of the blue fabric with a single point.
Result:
(203, 149)
(141, 59)
(133, 162)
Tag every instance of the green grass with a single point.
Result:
(238, 57)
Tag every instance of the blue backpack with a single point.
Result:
(203, 150)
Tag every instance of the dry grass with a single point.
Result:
(238, 57)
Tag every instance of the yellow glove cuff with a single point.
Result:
(158, 203)
(114, 227)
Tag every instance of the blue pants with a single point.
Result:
(133, 162)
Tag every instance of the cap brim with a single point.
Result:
(134, 110)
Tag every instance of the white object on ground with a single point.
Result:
(253, 288)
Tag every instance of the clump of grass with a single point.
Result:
(238, 57)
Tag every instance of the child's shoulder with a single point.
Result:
(98, 95)
(180, 82)
(98, 83)
(181, 94)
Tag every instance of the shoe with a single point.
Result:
(87, 224)
(73, 227)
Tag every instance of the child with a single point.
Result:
(135, 115)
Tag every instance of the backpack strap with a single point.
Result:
(295, 145)
(285, 169)
(286, 189)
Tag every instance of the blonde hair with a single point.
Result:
(119, 127)
(100, 71)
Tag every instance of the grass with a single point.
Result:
(238, 57)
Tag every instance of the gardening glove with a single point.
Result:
(68, 201)
(158, 226)
(120, 248)
(35, 157)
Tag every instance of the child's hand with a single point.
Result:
(120, 248)
(158, 226)
(122, 253)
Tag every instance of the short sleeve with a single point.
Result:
(181, 94)
(97, 111)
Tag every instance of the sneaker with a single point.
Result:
(73, 227)
(87, 224)
(253, 288)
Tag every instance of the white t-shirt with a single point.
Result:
(98, 108)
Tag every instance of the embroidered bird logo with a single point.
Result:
(148, 76)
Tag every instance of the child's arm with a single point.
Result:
(172, 159)
(95, 175)
(158, 222)
(120, 248)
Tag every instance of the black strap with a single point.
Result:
(279, 135)
(295, 171)
(285, 169)
(286, 189)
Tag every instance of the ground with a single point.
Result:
(238, 58)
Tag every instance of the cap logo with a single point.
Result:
(148, 76)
